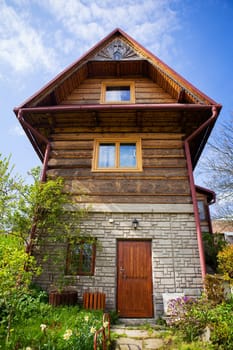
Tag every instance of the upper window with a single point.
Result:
(117, 155)
(80, 258)
(117, 92)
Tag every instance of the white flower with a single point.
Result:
(28, 348)
(86, 318)
(43, 327)
(105, 324)
(67, 334)
(93, 330)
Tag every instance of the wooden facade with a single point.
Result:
(166, 117)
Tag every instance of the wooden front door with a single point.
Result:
(134, 287)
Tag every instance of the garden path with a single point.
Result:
(134, 338)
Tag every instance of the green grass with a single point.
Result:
(53, 328)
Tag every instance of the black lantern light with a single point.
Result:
(135, 224)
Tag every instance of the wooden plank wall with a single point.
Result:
(146, 91)
(164, 178)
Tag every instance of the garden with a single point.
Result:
(27, 320)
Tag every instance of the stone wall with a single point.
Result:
(175, 258)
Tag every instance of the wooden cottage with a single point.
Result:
(126, 131)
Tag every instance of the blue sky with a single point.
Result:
(39, 38)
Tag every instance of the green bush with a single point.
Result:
(212, 245)
(225, 262)
(221, 326)
(189, 315)
(214, 288)
(14, 280)
(192, 317)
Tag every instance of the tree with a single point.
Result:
(218, 168)
(15, 281)
(29, 211)
(32, 216)
(10, 192)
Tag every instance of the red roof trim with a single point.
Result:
(155, 106)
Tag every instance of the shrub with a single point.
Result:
(189, 316)
(225, 262)
(221, 326)
(192, 317)
(212, 245)
(14, 280)
(214, 288)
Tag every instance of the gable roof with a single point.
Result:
(143, 59)
(117, 55)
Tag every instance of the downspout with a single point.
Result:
(213, 117)
(42, 177)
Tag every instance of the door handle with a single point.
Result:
(122, 272)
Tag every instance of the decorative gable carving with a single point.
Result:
(117, 50)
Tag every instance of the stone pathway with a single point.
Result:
(133, 338)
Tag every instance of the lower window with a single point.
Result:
(81, 258)
(117, 155)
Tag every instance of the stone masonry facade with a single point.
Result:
(175, 258)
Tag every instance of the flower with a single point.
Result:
(105, 324)
(28, 348)
(67, 334)
(93, 330)
(42, 327)
(86, 318)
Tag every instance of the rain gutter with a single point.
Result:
(97, 107)
(215, 112)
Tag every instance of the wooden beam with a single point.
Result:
(181, 96)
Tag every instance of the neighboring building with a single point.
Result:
(224, 227)
(127, 131)
(205, 198)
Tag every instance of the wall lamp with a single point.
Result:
(135, 223)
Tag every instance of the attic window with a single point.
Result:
(117, 155)
(117, 92)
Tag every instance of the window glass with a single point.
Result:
(107, 155)
(117, 93)
(80, 259)
(86, 261)
(201, 209)
(128, 155)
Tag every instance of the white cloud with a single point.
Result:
(45, 35)
(87, 21)
(21, 46)
(16, 131)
